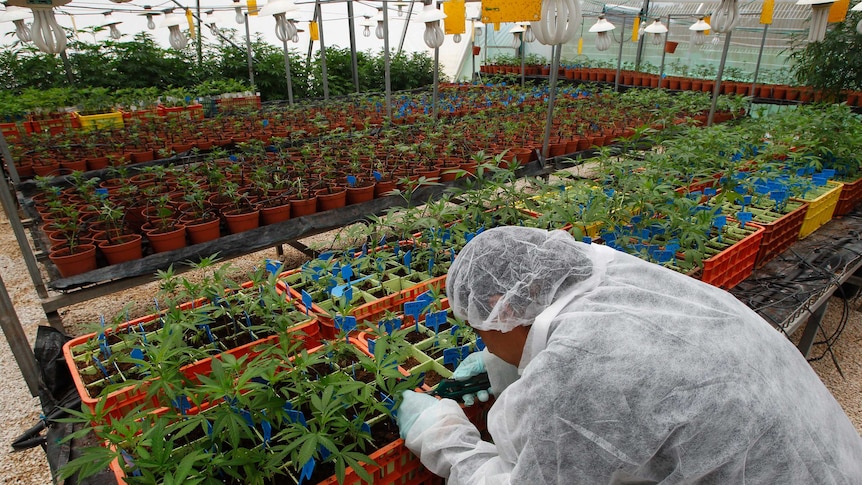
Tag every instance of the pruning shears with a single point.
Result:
(452, 389)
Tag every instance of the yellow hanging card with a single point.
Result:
(838, 11)
(191, 20)
(500, 11)
(580, 46)
(456, 17)
(252, 7)
(312, 31)
(636, 26)
(706, 32)
(766, 13)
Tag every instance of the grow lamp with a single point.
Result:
(18, 15)
(656, 29)
(698, 31)
(239, 17)
(366, 26)
(559, 20)
(379, 31)
(173, 21)
(401, 6)
(858, 8)
(431, 17)
(529, 35)
(819, 18)
(725, 17)
(151, 24)
(114, 31)
(285, 29)
(517, 31)
(45, 32)
(601, 29)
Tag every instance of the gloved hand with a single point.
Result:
(413, 404)
(472, 366)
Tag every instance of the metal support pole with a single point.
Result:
(552, 94)
(717, 88)
(644, 16)
(406, 24)
(620, 56)
(67, 66)
(352, 30)
(387, 77)
(17, 340)
(523, 60)
(759, 58)
(311, 42)
(248, 51)
(436, 91)
(663, 54)
(8, 202)
(287, 75)
(199, 37)
(323, 69)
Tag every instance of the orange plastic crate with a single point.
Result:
(851, 195)
(780, 235)
(734, 264)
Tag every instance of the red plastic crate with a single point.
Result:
(734, 264)
(851, 195)
(780, 235)
(12, 132)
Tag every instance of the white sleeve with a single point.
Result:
(501, 374)
(451, 447)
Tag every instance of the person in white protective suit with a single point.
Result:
(608, 369)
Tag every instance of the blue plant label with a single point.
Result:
(345, 324)
(137, 354)
(324, 452)
(233, 158)
(435, 320)
(351, 180)
(247, 417)
(431, 265)
(390, 325)
(306, 301)
(408, 258)
(273, 266)
(414, 309)
(182, 404)
(709, 191)
(778, 195)
(346, 272)
(372, 345)
(267, 432)
(744, 217)
(719, 221)
(377, 175)
(387, 401)
(396, 249)
(102, 368)
(296, 417)
(663, 255)
(307, 471)
(101, 192)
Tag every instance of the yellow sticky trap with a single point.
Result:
(706, 32)
(838, 11)
(312, 31)
(191, 20)
(580, 46)
(500, 11)
(636, 26)
(766, 13)
(252, 7)
(456, 17)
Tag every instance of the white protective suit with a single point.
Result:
(632, 374)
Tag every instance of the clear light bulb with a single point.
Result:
(22, 31)
(214, 29)
(516, 41)
(295, 37)
(716, 39)
(176, 38)
(281, 29)
(698, 37)
(378, 32)
(151, 24)
(656, 39)
(434, 35)
(115, 32)
(603, 41)
(529, 36)
(725, 16)
(46, 33)
(240, 18)
(366, 31)
(456, 38)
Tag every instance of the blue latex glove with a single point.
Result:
(472, 366)
(413, 404)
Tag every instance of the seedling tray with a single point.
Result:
(851, 195)
(732, 265)
(820, 209)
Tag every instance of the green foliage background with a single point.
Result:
(29, 78)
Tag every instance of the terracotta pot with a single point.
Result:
(141, 156)
(328, 200)
(240, 220)
(557, 149)
(122, 248)
(362, 192)
(96, 163)
(71, 264)
(170, 240)
(74, 165)
(303, 207)
(275, 213)
(202, 231)
(670, 46)
(383, 187)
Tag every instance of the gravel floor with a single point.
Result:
(21, 411)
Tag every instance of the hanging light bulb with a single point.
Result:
(656, 30)
(114, 31)
(295, 38)
(401, 6)
(529, 36)
(601, 29)
(46, 33)
(379, 31)
(17, 15)
(212, 21)
(858, 8)
(151, 24)
(366, 26)
(698, 31)
(173, 21)
(431, 17)
(819, 18)
(240, 18)
(456, 38)
(516, 32)
(725, 17)
(559, 21)
(279, 9)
